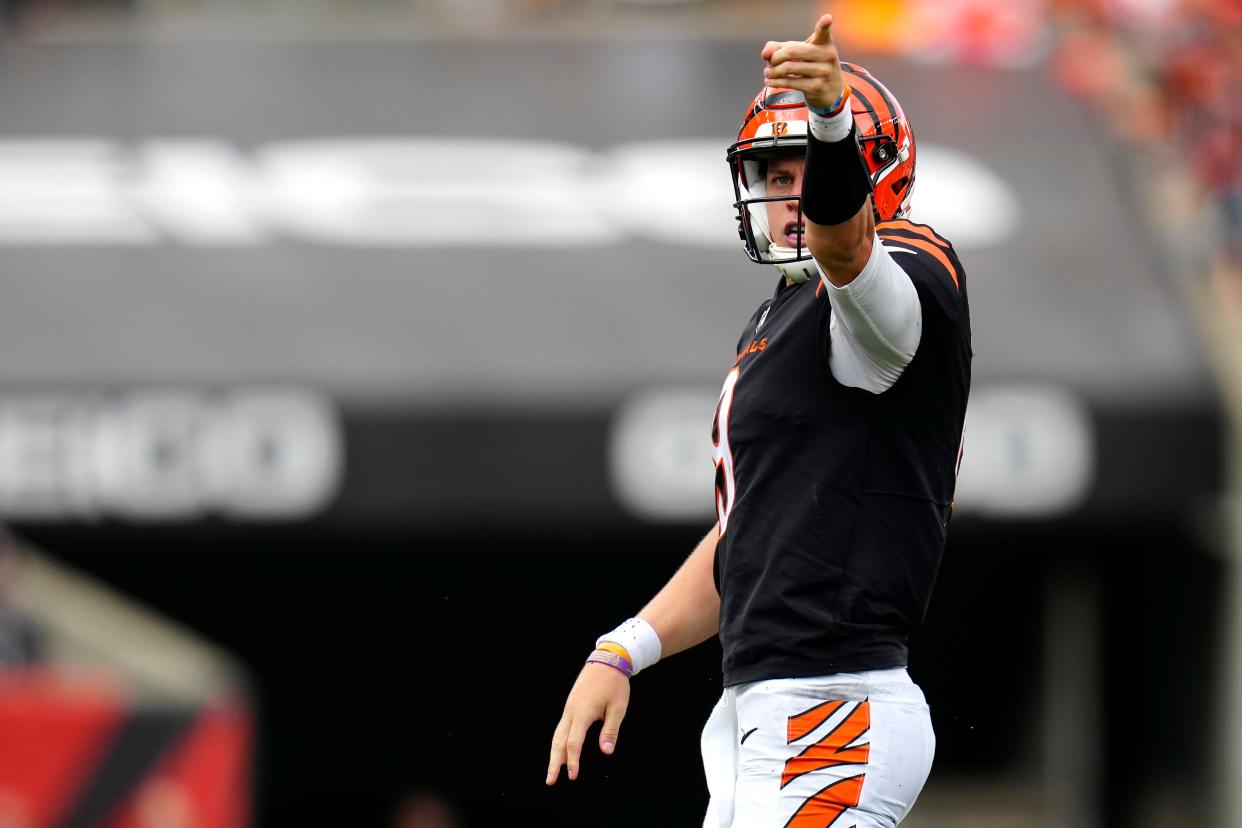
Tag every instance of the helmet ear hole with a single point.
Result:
(884, 151)
(900, 184)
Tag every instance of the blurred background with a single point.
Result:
(356, 365)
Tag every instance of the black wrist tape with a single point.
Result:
(835, 184)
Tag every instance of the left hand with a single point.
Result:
(811, 66)
(601, 693)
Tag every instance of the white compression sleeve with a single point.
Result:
(877, 322)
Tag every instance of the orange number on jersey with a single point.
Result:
(722, 454)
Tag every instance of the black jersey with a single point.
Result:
(833, 501)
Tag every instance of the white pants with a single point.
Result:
(850, 750)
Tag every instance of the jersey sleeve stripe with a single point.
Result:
(910, 235)
(930, 248)
(921, 229)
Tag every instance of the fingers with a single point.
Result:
(567, 747)
(822, 36)
(612, 728)
(812, 67)
(557, 757)
(797, 69)
(575, 736)
(794, 50)
(811, 87)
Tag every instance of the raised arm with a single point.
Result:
(840, 224)
(685, 612)
(877, 317)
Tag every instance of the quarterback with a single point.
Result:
(836, 442)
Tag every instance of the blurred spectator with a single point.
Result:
(979, 32)
(1163, 74)
(1166, 73)
(20, 643)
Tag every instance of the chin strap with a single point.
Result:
(797, 271)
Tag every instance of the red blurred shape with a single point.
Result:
(53, 729)
(203, 782)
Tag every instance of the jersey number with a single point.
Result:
(722, 454)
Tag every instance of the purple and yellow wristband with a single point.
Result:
(614, 655)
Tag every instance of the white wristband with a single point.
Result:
(831, 128)
(639, 640)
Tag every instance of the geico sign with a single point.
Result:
(418, 192)
(168, 455)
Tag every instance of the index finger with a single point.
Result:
(557, 756)
(796, 50)
(822, 36)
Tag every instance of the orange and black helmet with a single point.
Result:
(775, 123)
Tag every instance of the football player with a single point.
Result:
(836, 441)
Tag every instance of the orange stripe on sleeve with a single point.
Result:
(926, 232)
(930, 248)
